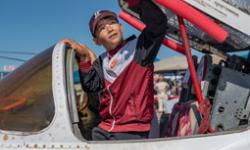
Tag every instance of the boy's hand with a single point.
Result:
(82, 51)
(132, 3)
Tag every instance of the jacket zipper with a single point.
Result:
(110, 109)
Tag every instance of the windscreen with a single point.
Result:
(26, 100)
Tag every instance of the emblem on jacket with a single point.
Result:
(113, 63)
(118, 60)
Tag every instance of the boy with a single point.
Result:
(123, 75)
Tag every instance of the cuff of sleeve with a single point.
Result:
(84, 66)
(133, 3)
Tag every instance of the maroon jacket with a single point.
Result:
(125, 81)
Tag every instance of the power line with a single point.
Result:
(12, 58)
(16, 52)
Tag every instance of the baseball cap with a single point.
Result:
(99, 16)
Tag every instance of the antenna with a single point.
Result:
(12, 58)
(16, 52)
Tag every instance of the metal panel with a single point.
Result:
(234, 13)
(230, 106)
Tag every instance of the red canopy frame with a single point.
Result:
(140, 26)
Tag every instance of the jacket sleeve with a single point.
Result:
(150, 39)
(92, 80)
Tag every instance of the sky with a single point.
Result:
(31, 26)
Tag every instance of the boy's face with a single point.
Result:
(109, 34)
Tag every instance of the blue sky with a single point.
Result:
(34, 25)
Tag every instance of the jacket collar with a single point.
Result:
(112, 52)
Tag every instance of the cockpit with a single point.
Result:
(28, 104)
